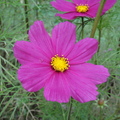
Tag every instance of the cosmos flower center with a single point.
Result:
(59, 63)
(82, 8)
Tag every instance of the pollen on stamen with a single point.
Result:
(82, 8)
(60, 63)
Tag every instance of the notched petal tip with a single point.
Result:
(63, 5)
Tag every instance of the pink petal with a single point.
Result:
(108, 5)
(26, 52)
(92, 2)
(79, 1)
(94, 7)
(63, 5)
(39, 36)
(92, 12)
(83, 90)
(63, 37)
(97, 74)
(34, 76)
(57, 88)
(88, 2)
(72, 15)
(83, 51)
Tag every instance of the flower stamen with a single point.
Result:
(60, 63)
(82, 8)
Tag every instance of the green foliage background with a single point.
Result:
(17, 104)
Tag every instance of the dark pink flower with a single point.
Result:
(58, 64)
(80, 8)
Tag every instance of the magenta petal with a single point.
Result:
(67, 16)
(26, 52)
(63, 37)
(63, 5)
(57, 88)
(88, 2)
(97, 74)
(83, 51)
(93, 10)
(34, 76)
(83, 90)
(72, 15)
(39, 36)
(94, 7)
(93, 2)
(79, 1)
(108, 5)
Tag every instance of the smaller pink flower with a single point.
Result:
(80, 8)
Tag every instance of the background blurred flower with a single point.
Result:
(58, 64)
(80, 8)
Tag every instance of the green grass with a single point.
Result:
(18, 104)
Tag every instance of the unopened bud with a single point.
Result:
(101, 102)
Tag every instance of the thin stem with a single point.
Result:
(0, 24)
(99, 39)
(26, 13)
(82, 25)
(97, 18)
(100, 113)
(70, 108)
(82, 30)
(100, 34)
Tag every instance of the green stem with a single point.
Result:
(82, 30)
(100, 113)
(26, 14)
(100, 34)
(97, 18)
(70, 108)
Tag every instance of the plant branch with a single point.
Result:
(102, 3)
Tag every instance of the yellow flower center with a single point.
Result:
(59, 63)
(82, 8)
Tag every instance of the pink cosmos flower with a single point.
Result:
(58, 64)
(80, 8)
